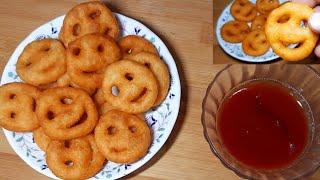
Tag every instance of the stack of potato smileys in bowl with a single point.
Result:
(84, 95)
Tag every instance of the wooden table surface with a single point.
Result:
(220, 57)
(186, 28)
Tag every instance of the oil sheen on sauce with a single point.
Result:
(263, 126)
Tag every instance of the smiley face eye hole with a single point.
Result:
(129, 76)
(76, 30)
(111, 130)
(100, 48)
(33, 105)
(13, 115)
(106, 32)
(50, 115)
(68, 163)
(66, 100)
(67, 144)
(76, 51)
(95, 15)
(148, 65)
(13, 96)
(283, 19)
(133, 129)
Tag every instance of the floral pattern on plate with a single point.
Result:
(161, 119)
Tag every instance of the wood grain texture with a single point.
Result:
(186, 28)
(220, 57)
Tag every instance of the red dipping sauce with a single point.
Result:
(262, 125)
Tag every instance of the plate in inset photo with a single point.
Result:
(235, 49)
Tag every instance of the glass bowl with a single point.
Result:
(303, 79)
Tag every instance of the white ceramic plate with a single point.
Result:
(161, 119)
(235, 49)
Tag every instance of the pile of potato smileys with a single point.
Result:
(85, 94)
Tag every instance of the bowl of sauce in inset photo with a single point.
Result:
(262, 121)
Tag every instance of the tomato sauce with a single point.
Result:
(262, 125)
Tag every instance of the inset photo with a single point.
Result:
(265, 31)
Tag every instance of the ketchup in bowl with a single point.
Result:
(262, 125)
